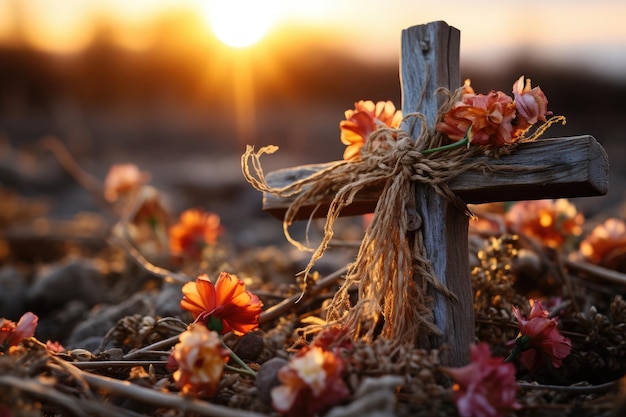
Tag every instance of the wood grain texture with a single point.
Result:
(430, 60)
(549, 168)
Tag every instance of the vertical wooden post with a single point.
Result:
(429, 60)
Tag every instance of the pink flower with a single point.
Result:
(311, 383)
(12, 334)
(199, 358)
(486, 387)
(531, 104)
(122, 179)
(225, 306)
(362, 121)
(539, 338)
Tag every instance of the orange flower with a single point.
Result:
(12, 334)
(362, 121)
(531, 104)
(606, 245)
(225, 306)
(199, 359)
(490, 117)
(539, 338)
(123, 179)
(486, 387)
(311, 383)
(195, 230)
(551, 222)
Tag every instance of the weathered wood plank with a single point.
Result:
(549, 168)
(429, 61)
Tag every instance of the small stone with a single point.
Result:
(250, 346)
(13, 289)
(60, 283)
(168, 301)
(267, 378)
(103, 318)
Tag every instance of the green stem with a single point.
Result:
(462, 142)
(246, 369)
(240, 370)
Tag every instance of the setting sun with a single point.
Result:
(241, 23)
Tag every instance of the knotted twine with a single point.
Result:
(391, 271)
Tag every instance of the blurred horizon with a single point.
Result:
(588, 34)
(148, 82)
(110, 76)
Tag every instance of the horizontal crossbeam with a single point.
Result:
(547, 168)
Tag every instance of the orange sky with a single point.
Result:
(589, 34)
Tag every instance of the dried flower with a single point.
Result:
(149, 223)
(486, 387)
(531, 104)
(123, 179)
(54, 347)
(362, 121)
(552, 222)
(310, 383)
(495, 119)
(225, 306)
(12, 334)
(489, 116)
(195, 230)
(539, 338)
(334, 337)
(199, 361)
(151, 209)
(606, 245)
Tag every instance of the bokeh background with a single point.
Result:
(149, 82)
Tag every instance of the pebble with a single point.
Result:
(74, 279)
(13, 289)
(267, 378)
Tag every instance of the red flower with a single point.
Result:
(362, 121)
(225, 306)
(311, 383)
(539, 338)
(195, 230)
(335, 337)
(486, 387)
(12, 334)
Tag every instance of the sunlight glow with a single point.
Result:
(241, 23)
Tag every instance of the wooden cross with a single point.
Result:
(548, 168)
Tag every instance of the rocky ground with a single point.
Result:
(114, 314)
